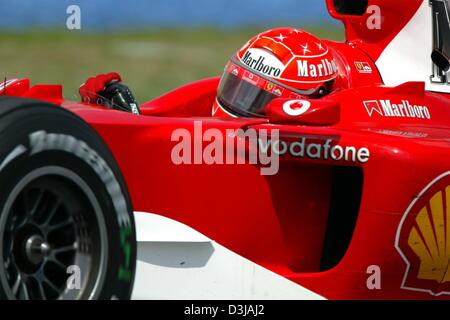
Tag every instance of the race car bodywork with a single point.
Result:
(359, 206)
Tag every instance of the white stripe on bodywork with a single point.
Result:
(156, 228)
(408, 56)
(176, 262)
(6, 83)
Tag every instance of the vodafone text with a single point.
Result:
(320, 151)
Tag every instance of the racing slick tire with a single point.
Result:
(66, 224)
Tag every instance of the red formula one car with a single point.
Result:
(351, 200)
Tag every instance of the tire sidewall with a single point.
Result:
(43, 133)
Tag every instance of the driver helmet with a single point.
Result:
(282, 62)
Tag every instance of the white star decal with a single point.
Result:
(280, 37)
(305, 48)
(319, 45)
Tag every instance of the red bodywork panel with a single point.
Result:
(280, 222)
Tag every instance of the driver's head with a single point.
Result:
(283, 62)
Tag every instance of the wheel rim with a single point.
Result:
(54, 238)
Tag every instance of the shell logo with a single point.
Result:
(423, 239)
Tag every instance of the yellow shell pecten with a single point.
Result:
(430, 238)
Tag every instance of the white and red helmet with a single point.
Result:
(283, 62)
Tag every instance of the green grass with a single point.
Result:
(150, 62)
